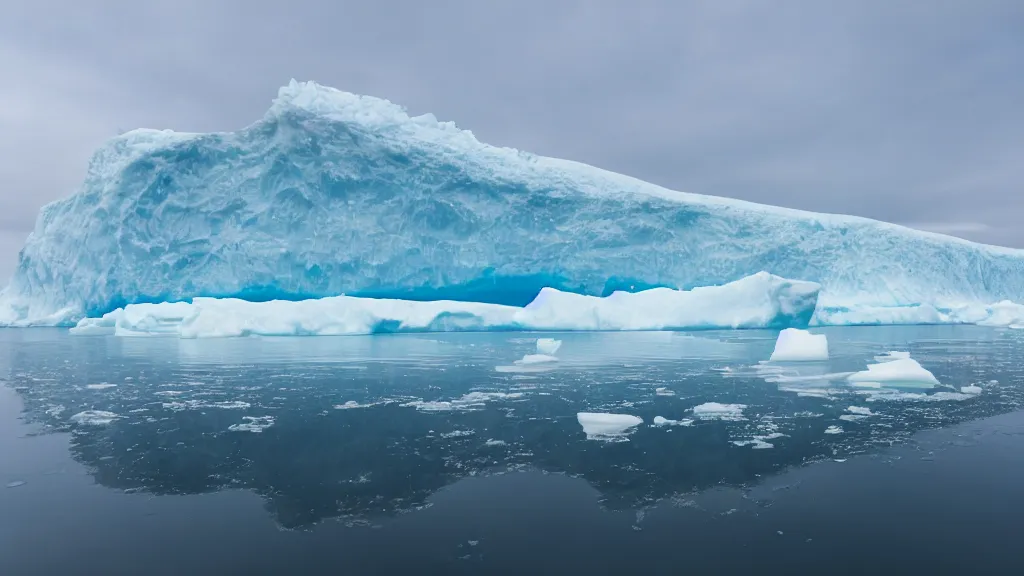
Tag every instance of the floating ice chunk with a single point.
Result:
(974, 390)
(892, 355)
(201, 405)
(102, 386)
(662, 421)
(548, 346)
(601, 426)
(795, 345)
(716, 411)
(833, 430)
(352, 404)
(471, 401)
(860, 410)
(898, 396)
(493, 442)
(457, 434)
(756, 443)
(903, 372)
(255, 424)
(664, 392)
(94, 418)
(530, 359)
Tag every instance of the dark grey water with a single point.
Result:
(435, 454)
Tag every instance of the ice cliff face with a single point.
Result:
(332, 193)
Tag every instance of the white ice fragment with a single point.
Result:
(756, 443)
(662, 421)
(795, 345)
(862, 411)
(457, 434)
(664, 392)
(892, 355)
(602, 426)
(717, 411)
(102, 386)
(974, 390)
(897, 396)
(493, 442)
(530, 359)
(352, 404)
(94, 418)
(903, 372)
(471, 401)
(201, 405)
(833, 430)
(255, 424)
(548, 346)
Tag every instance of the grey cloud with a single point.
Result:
(899, 110)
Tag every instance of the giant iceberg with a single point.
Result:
(338, 194)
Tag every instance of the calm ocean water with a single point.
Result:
(439, 454)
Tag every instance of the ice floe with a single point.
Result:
(94, 418)
(717, 411)
(603, 426)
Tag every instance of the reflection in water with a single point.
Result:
(357, 427)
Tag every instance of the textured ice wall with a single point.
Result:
(332, 193)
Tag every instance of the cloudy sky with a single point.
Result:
(907, 111)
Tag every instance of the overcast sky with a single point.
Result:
(907, 111)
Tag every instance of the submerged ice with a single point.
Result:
(333, 193)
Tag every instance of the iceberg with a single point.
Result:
(334, 194)
(795, 345)
(759, 301)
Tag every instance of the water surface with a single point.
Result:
(437, 453)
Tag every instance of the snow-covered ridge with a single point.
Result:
(333, 193)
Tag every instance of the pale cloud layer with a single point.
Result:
(905, 111)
